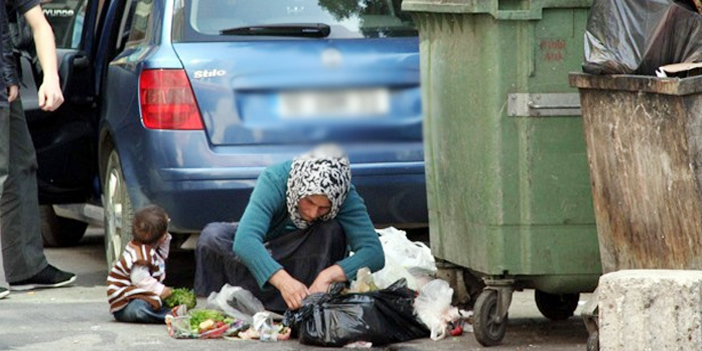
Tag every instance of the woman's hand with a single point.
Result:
(291, 289)
(326, 277)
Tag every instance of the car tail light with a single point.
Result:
(167, 100)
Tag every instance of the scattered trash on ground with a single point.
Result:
(403, 301)
(198, 324)
(236, 302)
(433, 306)
(231, 313)
(336, 319)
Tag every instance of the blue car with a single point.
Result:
(184, 103)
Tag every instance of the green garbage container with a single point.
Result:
(507, 176)
(644, 143)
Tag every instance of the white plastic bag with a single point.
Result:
(409, 254)
(391, 273)
(404, 259)
(236, 302)
(433, 306)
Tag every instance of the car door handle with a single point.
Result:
(81, 61)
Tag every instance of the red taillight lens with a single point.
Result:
(167, 100)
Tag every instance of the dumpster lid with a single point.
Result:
(628, 82)
(530, 10)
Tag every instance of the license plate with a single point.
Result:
(335, 103)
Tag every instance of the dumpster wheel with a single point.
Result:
(556, 307)
(488, 326)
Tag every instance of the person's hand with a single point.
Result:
(320, 284)
(50, 95)
(291, 289)
(12, 93)
(327, 277)
(166, 293)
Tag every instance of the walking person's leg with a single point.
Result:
(26, 266)
(4, 165)
(4, 287)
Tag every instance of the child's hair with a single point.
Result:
(150, 224)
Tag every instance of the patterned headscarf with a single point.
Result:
(323, 171)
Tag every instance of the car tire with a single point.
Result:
(118, 210)
(60, 231)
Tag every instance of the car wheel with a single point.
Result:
(60, 231)
(118, 211)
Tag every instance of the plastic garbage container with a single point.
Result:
(644, 144)
(507, 177)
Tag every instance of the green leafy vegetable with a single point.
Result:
(181, 296)
(201, 315)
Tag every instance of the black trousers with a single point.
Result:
(302, 253)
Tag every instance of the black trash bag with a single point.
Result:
(639, 36)
(380, 317)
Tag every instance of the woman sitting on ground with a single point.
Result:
(294, 237)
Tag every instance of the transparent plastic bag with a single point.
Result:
(433, 306)
(236, 302)
(180, 327)
(263, 324)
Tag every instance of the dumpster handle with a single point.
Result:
(553, 107)
(543, 104)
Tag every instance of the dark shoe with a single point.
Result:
(4, 292)
(49, 277)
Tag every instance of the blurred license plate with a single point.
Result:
(335, 103)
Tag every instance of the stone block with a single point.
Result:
(650, 310)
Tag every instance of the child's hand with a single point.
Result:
(166, 293)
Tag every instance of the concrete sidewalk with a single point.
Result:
(77, 318)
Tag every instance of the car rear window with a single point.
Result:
(205, 19)
(66, 19)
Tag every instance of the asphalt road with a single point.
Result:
(77, 317)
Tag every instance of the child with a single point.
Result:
(134, 285)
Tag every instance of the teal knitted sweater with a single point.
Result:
(266, 218)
